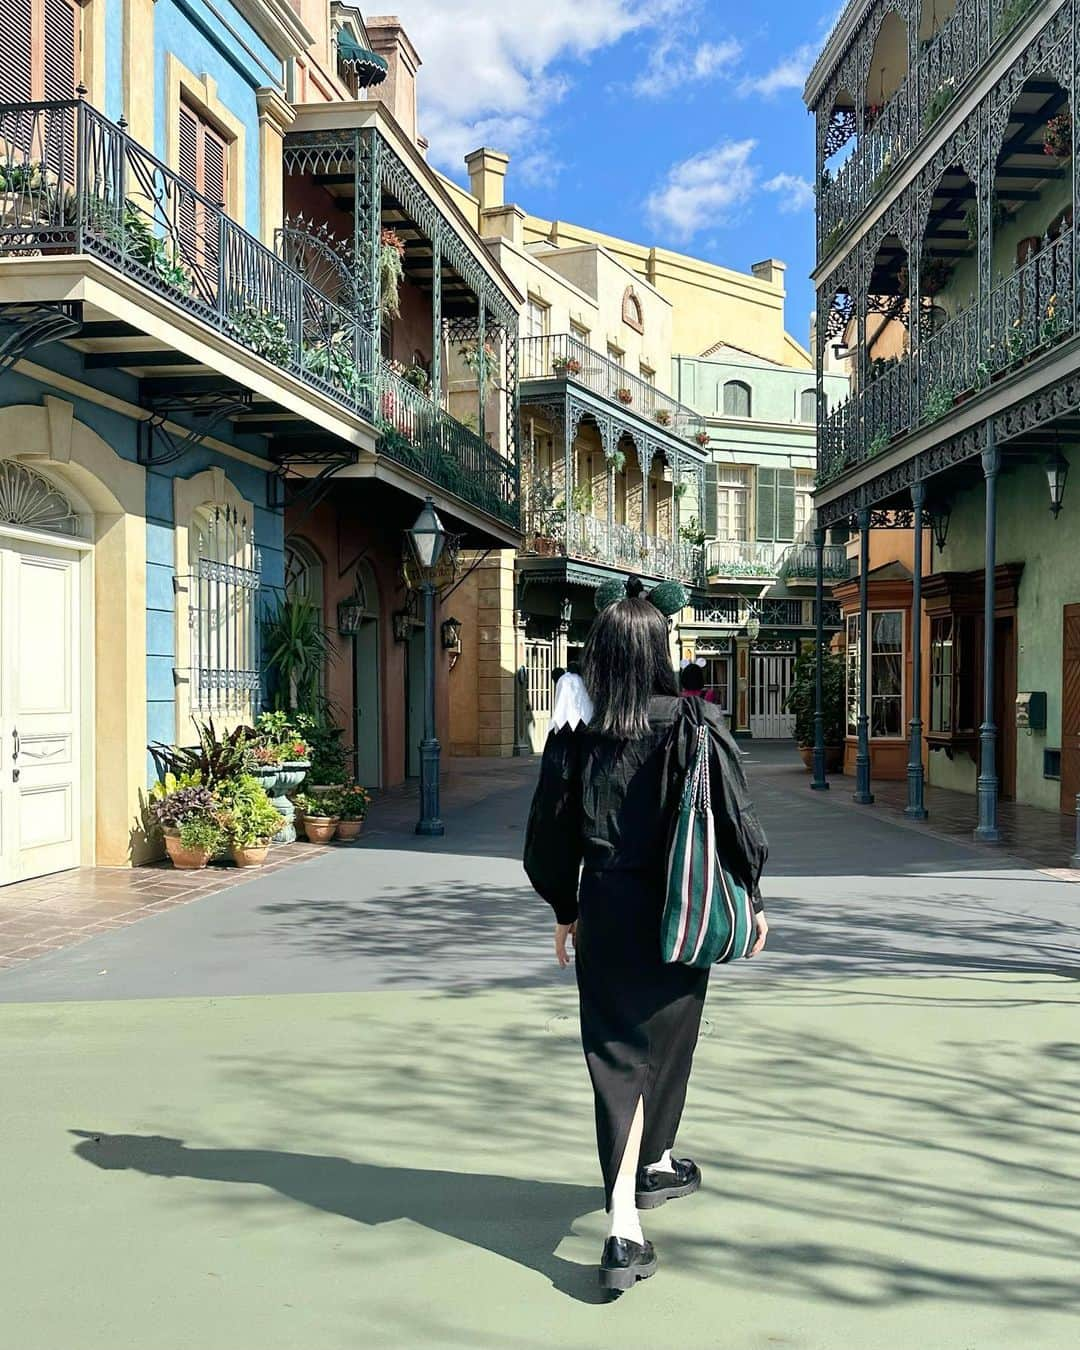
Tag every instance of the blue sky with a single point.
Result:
(673, 122)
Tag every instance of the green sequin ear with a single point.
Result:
(669, 597)
(608, 593)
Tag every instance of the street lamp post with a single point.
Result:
(427, 539)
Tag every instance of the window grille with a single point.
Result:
(223, 603)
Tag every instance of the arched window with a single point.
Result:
(223, 596)
(736, 399)
(29, 500)
(632, 313)
(808, 405)
(303, 572)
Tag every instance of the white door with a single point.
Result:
(539, 665)
(40, 696)
(770, 684)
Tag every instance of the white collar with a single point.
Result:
(573, 707)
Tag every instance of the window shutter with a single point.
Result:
(766, 503)
(61, 46)
(808, 405)
(708, 506)
(15, 51)
(214, 171)
(785, 505)
(189, 147)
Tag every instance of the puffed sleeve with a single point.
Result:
(553, 835)
(739, 835)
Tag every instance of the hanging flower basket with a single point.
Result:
(1058, 140)
(391, 273)
(481, 360)
(663, 416)
(566, 365)
(624, 395)
(702, 438)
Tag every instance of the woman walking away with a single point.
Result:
(611, 783)
(692, 681)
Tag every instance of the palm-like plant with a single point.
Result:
(296, 650)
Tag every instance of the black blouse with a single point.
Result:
(605, 804)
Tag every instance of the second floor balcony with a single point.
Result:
(756, 560)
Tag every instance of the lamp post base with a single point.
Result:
(431, 828)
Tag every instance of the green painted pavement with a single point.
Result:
(890, 1162)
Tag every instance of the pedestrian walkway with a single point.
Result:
(1042, 839)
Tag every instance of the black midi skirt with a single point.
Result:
(640, 1017)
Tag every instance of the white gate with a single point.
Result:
(539, 664)
(771, 676)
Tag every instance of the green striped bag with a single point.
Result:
(708, 916)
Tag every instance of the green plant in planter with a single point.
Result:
(680, 491)
(833, 237)
(801, 701)
(329, 757)
(1054, 321)
(215, 758)
(351, 802)
(296, 649)
(878, 442)
(391, 273)
(617, 460)
(692, 532)
(582, 499)
(939, 401)
(316, 806)
(264, 332)
(334, 362)
(202, 832)
(938, 101)
(1016, 342)
(247, 815)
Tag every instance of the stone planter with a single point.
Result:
(184, 859)
(277, 780)
(250, 855)
(349, 830)
(320, 829)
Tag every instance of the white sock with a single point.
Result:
(625, 1222)
(664, 1165)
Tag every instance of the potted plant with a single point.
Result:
(329, 757)
(248, 818)
(317, 815)
(1058, 138)
(565, 365)
(188, 818)
(391, 273)
(351, 803)
(282, 762)
(801, 701)
(702, 438)
(663, 416)
(624, 395)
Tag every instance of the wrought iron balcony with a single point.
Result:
(1025, 314)
(574, 534)
(726, 559)
(421, 435)
(560, 356)
(800, 563)
(71, 181)
(732, 611)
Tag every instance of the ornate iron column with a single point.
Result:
(916, 808)
(819, 783)
(986, 831)
(430, 750)
(862, 794)
(436, 322)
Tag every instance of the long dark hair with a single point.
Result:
(627, 660)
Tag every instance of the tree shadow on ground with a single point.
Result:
(520, 1220)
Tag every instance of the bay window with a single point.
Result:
(885, 695)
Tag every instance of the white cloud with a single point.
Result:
(796, 194)
(486, 77)
(700, 62)
(789, 73)
(704, 189)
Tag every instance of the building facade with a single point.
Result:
(755, 610)
(946, 283)
(187, 372)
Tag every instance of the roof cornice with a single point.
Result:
(843, 31)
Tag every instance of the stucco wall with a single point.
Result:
(1026, 533)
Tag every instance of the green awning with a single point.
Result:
(368, 67)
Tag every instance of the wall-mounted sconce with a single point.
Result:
(350, 615)
(451, 635)
(403, 625)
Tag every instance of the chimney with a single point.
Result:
(770, 271)
(398, 91)
(487, 169)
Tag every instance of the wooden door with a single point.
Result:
(1005, 704)
(40, 704)
(1070, 708)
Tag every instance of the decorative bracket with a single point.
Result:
(23, 327)
(158, 445)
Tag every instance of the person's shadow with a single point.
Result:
(523, 1221)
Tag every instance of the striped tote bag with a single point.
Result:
(708, 916)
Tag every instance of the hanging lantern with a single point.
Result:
(451, 635)
(753, 627)
(350, 615)
(1057, 471)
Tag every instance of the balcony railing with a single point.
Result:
(559, 356)
(730, 611)
(418, 433)
(944, 64)
(73, 182)
(742, 558)
(1026, 313)
(800, 563)
(573, 534)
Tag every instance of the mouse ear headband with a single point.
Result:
(669, 597)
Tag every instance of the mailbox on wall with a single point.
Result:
(1031, 711)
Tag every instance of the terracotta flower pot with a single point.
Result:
(185, 859)
(320, 829)
(834, 757)
(250, 855)
(349, 829)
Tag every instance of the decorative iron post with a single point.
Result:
(862, 794)
(987, 831)
(1074, 861)
(819, 783)
(916, 807)
(430, 750)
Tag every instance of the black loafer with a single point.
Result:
(624, 1262)
(655, 1188)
